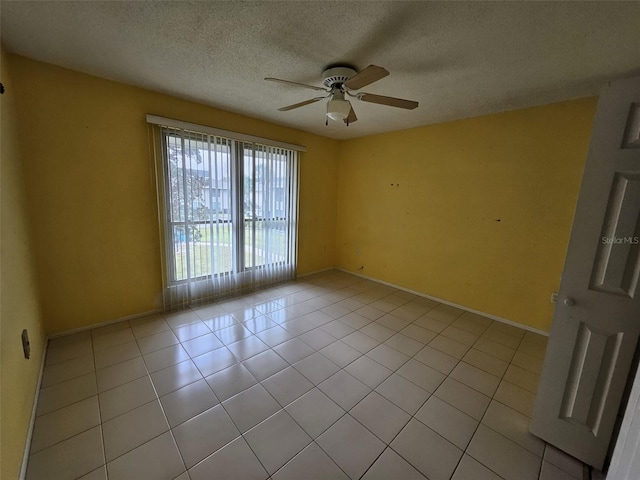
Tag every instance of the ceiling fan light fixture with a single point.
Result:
(338, 109)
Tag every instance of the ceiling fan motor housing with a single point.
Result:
(337, 76)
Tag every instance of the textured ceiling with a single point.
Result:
(458, 59)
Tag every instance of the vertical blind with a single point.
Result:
(228, 214)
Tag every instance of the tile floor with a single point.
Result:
(329, 377)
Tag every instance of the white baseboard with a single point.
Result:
(32, 420)
(461, 307)
(308, 274)
(104, 324)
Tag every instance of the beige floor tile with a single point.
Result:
(501, 337)
(148, 328)
(98, 474)
(370, 313)
(502, 456)
(565, 462)
(418, 333)
(449, 346)
(231, 381)
(471, 469)
(112, 338)
(515, 397)
(463, 397)
(403, 393)
(354, 320)
(369, 372)
(513, 425)
(486, 362)
(459, 335)
(187, 402)
(495, 349)
(391, 321)
(377, 331)
(340, 353)
(316, 368)
(174, 377)
(214, 361)
(157, 341)
(435, 457)
(351, 446)
(67, 369)
(451, 423)
(445, 313)
(126, 397)
(431, 324)
(404, 344)
(532, 364)
(193, 330)
(475, 378)
(164, 358)
(120, 374)
(551, 472)
(422, 375)
(311, 464)
(361, 342)
(436, 359)
(250, 407)
(232, 334)
(220, 321)
(522, 378)
(317, 338)
(203, 344)
(380, 416)
(390, 465)
(71, 458)
(179, 319)
(132, 429)
(274, 336)
(248, 347)
(287, 385)
(344, 389)
(293, 350)
(337, 329)
(157, 459)
(291, 440)
(315, 412)
(116, 354)
(387, 356)
(235, 460)
(64, 423)
(265, 364)
(204, 434)
(66, 393)
(256, 324)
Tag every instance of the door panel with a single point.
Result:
(597, 319)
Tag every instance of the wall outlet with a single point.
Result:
(554, 297)
(26, 346)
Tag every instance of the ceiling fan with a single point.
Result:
(340, 81)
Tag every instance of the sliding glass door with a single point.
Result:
(231, 215)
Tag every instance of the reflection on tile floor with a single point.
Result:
(329, 377)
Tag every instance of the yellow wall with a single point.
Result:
(476, 212)
(92, 201)
(19, 304)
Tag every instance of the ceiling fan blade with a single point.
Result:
(288, 82)
(391, 101)
(301, 104)
(351, 117)
(369, 75)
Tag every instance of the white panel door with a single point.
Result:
(596, 322)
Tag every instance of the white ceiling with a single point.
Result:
(458, 59)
